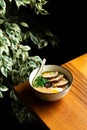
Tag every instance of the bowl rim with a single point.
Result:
(67, 88)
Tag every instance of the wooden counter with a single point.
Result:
(69, 113)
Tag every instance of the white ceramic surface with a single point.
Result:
(52, 96)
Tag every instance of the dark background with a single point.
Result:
(67, 20)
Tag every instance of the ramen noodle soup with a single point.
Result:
(51, 82)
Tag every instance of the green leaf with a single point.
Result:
(4, 71)
(5, 40)
(40, 82)
(1, 32)
(32, 64)
(1, 95)
(3, 88)
(1, 61)
(15, 27)
(2, 21)
(26, 1)
(2, 8)
(3, 49)
(24, 24)
(42, 43)
(19, 52)
(7, 60)
(39, 7)
(33, 38)
(23, 71)
(9, 31)
(12, 95)
(26, 48)
(19, 3)
(24, 55)
(36, 59)
(10, 0)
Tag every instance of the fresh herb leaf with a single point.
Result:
(40, 82)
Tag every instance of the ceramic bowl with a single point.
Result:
(52, 96)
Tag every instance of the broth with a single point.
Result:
(51, 82)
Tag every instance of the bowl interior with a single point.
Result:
(55, 96)
(61, 69)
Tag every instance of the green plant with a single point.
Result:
(16, 36)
